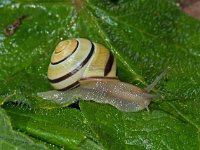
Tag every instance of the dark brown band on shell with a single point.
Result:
(73, 85)
(100, 78)
(76, 69)
(55, 63)
(109, 64)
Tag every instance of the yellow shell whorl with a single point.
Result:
(102, 64)
(76, 59)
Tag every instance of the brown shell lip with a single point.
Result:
(96, 78)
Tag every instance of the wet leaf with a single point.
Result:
(12, 139)
(146, 37)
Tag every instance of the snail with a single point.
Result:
(83, 69)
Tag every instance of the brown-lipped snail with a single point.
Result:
(83, 69)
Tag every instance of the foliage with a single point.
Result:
(145, 36)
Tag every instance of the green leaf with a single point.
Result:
(145, 36)
(62, 127)
(142, 130)
(10, 139)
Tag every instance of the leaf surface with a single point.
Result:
(146, 37)
(10, 139)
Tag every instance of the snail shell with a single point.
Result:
(78, 59)
(83, 69)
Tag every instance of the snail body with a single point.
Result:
(123, 96)
(87, 70)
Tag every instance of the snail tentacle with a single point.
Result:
(158, 78)
(113, 92)
(83, 69)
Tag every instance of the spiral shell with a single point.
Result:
(88, 70)
(77, 59)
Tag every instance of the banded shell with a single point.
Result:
(78, 59)
(83, 69)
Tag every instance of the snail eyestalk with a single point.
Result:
(153, 84)
(80, 68)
